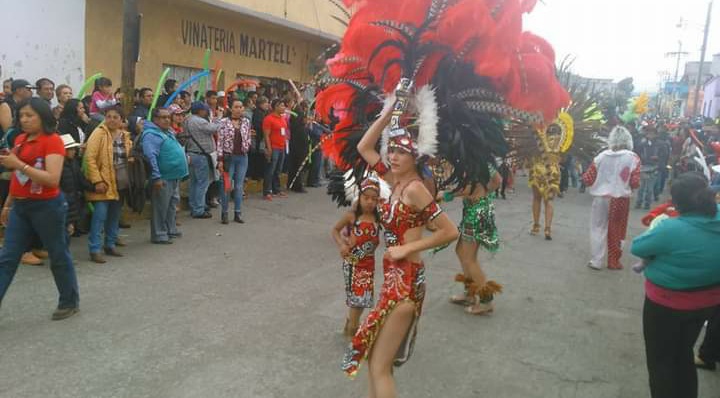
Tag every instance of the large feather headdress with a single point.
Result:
(455, 72)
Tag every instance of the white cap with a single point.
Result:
(69, 141)
(221, 93)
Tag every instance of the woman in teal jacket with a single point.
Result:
(682, 286)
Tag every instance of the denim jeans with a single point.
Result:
(164, 202)
(660, 183)
(236, 168)
(199, 183)
(46, 219)
(646, 193)
(274, 167)
(105, 218)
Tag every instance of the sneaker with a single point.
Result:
(205, 215)
(177, 234)
(268, 198)
(593, 266)
(281, 194)
(64, 313)
(238, 219)
(224, 218)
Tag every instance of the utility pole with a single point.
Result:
(678, 54)
(130, 52)
(702, 59)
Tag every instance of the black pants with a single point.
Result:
(564, 179)
(296, 158)
(669, 339)
(710, 348)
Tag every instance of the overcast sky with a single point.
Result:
(620, 38)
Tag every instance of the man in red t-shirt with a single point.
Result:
(277, 133)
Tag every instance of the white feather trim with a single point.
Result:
(427, 108)
(384, 140)
(351, 187)
(385, 189)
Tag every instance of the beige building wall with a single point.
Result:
(176, 32)
(315, 14)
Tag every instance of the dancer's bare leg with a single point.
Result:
(388, 342)
(459, 251)
(537, 202)
(549, 212)
(354, 315)
(468, 254)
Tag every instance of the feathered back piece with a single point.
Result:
(579, 124)
(464, 68)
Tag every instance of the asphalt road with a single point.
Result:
(257, 310)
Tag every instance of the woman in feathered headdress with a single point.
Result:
(450, 73)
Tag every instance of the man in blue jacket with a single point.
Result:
(168, 166)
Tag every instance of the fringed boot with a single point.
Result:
(485, 296)
(466, 298)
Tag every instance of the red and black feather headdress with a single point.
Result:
(467, 61)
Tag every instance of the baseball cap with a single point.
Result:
(69, 141)
(199, 105)
(21, 83)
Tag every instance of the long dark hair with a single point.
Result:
(691, 194)
(70, 112)
(41, 107)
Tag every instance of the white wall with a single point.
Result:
(43, 38)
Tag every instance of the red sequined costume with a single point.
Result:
(359, 266)
(404, 281)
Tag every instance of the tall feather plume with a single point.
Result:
(427, 120)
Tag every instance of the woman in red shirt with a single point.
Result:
(36, 206)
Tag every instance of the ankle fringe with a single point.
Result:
(487, 292)
(461, 278)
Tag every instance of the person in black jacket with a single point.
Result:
(299, 142)
(256, 165)
(75, 121)
(73, 184)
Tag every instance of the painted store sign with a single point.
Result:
(201, 35)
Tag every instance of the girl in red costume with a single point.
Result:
(358, 252)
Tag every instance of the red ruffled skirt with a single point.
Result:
(404, 282)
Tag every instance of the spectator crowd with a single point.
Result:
(79, 166)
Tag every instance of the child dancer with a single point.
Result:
(358, 252)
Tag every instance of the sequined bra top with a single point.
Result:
(397, 217)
